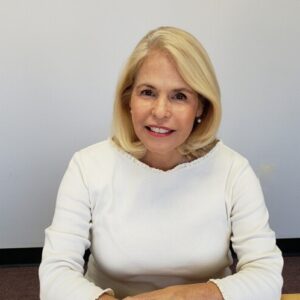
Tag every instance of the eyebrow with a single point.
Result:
(145, 85)
(183, 89)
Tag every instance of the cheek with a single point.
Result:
(137, 118)
(133, 109)
(188, 117)
(136, 115)
(138, 111)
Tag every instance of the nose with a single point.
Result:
(161, 108)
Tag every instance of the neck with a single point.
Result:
(165, 162)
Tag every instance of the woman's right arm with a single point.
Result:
(61, 271)
(106, 297)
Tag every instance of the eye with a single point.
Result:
(147, 93)
(179, 96)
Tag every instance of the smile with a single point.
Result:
(159, 131)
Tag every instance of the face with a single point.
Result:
(163, 106)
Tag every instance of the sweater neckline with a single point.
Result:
(185, 165)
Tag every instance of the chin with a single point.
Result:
(160, 150)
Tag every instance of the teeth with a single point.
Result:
(159, 130)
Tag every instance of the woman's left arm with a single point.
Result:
(260, 261)
(198, 291)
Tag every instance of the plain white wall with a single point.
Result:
(59, 64)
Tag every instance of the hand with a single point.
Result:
(198, 291)
(107, 297)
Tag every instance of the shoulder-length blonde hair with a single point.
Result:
(194, 66)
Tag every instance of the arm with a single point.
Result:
(198, 291)
(259, 260)
(61, 270)
(106, 297)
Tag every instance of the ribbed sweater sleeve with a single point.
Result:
(61, 271)
(259, 267)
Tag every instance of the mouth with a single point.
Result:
(159, 131)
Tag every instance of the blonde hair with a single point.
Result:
(194, 66)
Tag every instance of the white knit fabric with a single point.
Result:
(148, 229)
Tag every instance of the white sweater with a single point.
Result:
(148, 229)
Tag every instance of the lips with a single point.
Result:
(159, 131)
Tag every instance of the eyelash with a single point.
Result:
(183, 96)
(147, 92)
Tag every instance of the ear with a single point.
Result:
(129, 106)
(200, 108)
(129, 103)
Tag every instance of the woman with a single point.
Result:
(159, 203)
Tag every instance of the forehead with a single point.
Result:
(159, 70)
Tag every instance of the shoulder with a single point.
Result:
(230, 155)
(100, 148)
(233, 161)
(96, 158)
(242, 178)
